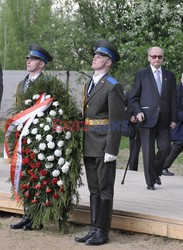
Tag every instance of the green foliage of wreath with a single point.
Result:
(46, 196)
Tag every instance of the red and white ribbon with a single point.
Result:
(25, 117)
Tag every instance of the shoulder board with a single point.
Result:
(112, 80)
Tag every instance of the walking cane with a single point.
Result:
(126, 170)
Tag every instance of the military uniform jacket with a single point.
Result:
(20, 87)
(106, 101)
(145, 98)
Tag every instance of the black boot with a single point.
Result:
(25, 220)
(94, 209)
(103, 224)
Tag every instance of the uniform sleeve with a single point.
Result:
(116, 106)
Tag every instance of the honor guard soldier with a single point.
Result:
(103, 112)
(37, 58)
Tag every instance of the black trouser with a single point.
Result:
(153, 163)
(100, 176)
(176, 149)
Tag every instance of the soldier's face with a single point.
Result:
(32, 64)
(100, 62)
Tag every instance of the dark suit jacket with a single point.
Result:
(145, 98)
(1, 85)
(106, 101)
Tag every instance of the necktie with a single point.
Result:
(91, 86)
(158, 81)
(26, 84)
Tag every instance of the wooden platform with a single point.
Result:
(135, 208)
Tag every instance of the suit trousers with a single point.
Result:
(100, 176)
(176, 149)
(153, 158)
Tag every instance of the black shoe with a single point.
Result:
(99, 238)
(158, 180)
(86, 237)
(167, 172)
(29, 226)
(151, 187)
(20, 224)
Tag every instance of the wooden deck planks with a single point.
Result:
(135, 208)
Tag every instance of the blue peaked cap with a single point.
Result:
(106, 48)
(38, 52)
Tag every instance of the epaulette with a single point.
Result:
(112, 80)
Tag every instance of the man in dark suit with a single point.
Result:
(1, 84)
(153, 100)
(176, 133)
(103, 114)
(37, 58)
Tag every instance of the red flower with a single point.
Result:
(21, 174)
(48, 203)
(61, 189)
(34, 201)
(38, 186)
(32, 155)
(54, 181)
(24, 141)
(22, 150)
(45, 182)
(17, 134)
(27, 194)
(55, 196)
(38, 164)
(36, 194)
(32, 165)
(43, 172)
(27, 150)
(24, 186)
(48, 190)
(25, 161)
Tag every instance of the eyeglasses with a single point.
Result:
(154, 57)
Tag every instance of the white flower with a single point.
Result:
(41, 125)
(60, 144)
(49, 165)
(41, 156)
(34, 131)
(58, 129)
(46, 128)
(61, 161)
(28, 101)
(52, 112)
(56, 173)
(47, 96)
(51, 144)
(48, 119)
(60, 111)
(29, 141)
(35, 97)
(20, 126)
(38, 137)
(25, 132)
(60, 183)
(49, 138)
(42, 146)
(55, 104)
(65, 168)
(35, 151)
(68, 135)
(58, 152)
(35, 121)
(40, 114)
(50, 158)
(68, 151)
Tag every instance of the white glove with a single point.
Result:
(108, 157)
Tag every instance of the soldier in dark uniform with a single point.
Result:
(37, 58)
(103, 113)
(1, 85)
